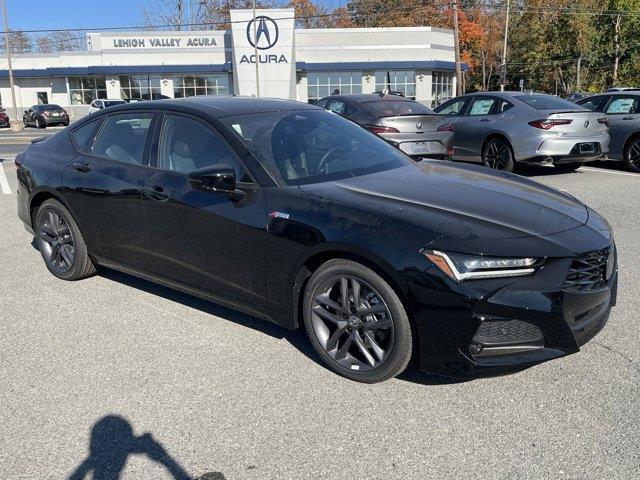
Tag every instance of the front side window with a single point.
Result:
(623, 105)
(595, 104)
(140, 87)
(483, 106)
(441, 87)
(397, 81)
(323, 84)
(187, 145)
(122, 137)
(192, 85)
(311, 146)
(452, 107)
(84, 90)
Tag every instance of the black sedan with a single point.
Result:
(293, 214)
(41, 116)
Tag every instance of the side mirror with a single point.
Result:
(214, 178)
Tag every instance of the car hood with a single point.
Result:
(460, 202)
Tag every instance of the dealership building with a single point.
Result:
(267, 57)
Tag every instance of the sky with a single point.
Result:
(51, 14)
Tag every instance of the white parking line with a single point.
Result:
(4, 183)
(613, 172)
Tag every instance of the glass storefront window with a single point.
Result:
(140, 87)
(441, 87)
(84, 90)
(192, 85)
(397, 81)
(323, 84)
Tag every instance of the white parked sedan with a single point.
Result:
(104, 103)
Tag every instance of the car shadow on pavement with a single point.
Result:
(112, 442)
(297, 338)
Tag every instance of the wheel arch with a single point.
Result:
(42, 195)
(499, 135)
(627, 142)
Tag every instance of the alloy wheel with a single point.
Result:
(37, 122)
(633, 155)
(497, 155)
(352, 323)
(56, 242)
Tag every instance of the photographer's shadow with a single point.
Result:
(112, 442)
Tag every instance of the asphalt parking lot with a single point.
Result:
(114, 373)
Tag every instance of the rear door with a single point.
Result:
(202, 238)
(471, 129)
(623, 112)
(104, 184)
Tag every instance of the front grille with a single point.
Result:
(588, 272)
(493, 332)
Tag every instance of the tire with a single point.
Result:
(40, 124)
(632, 154)
(569, 167)
(60, 242)
(497, 154)
(341, 339)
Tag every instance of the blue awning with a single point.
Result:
(406, 65)
(117, 70)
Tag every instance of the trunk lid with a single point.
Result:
(414, 123)
(584, 123)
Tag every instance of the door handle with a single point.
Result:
(156, 193)
(83, 167)
(485, 119)
(627, 118)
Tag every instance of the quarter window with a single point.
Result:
(122, 137)
(140, 87)
(81, 135)
(397, 81)
(191, 85)
(84, 90)
(323, 84)
(187, 145)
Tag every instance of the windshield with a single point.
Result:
(111, 103)
(312, 146)
(392, 108)
(546, 102)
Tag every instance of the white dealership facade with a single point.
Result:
(293, 63)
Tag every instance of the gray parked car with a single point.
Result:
(502, 128)
(623, 111)
(407, 124)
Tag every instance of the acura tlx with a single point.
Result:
(303, 218)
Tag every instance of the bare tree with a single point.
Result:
(20, 42)
(67, 41)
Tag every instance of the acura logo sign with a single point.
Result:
(419, 125)
(266, 32)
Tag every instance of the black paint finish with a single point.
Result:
(255, 252)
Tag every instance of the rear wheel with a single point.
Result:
(632, 154)
(497, 154)
(39, 123)
(356, 322)
(60, 242)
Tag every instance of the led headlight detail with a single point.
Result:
(461, 267)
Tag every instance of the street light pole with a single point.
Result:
(255, 48)
(456, 41)
(503, 67)
(7, 43)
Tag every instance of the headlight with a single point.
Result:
(460, 266)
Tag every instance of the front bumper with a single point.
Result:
(494, 326)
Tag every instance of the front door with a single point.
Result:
(624, 120)
(471, 128)
(203, 239)
(105, 181)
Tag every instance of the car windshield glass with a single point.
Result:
(546, 102)
(111, 103)
(50, 107)
(312, 146)
(390, 108)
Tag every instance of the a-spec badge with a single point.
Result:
(278, 215)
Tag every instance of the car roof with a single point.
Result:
(220, 106)
(367, 97)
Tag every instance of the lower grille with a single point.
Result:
(494, 332)
(588, 272)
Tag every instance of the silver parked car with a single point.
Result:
(623, 110)
(405, 123)
(502, 128)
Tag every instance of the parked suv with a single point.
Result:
(623, 110)
(405, 123)
(502, 128)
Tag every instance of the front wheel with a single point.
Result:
(356, 322)
(632, 155)
(60, 242)
(497, 154)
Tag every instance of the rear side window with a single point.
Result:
(392, 108)
(81, 136)
(122, 137)
(546, 102)
(593, 103)
(483, 106)
(621, 105)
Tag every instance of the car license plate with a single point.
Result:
(587, 148)
(421, 147)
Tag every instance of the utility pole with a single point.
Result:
(255, 48)
(456, 41)
(503, 67)
(7, 43)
